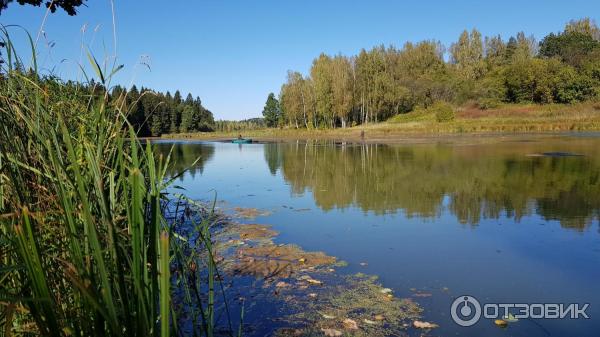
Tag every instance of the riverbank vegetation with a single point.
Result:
(90, 242)
(481, 72)
(243, 125)
(422, 123)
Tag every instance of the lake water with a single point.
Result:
(494, 219)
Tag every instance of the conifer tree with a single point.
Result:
(271, 111)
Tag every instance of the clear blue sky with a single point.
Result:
(233, 53)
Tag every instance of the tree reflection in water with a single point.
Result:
(183, 156)
(472, 181)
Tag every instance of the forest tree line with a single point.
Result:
(242, 125)
(155, 113)
(151, 113)
(382, 82)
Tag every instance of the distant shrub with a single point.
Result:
(488, 103)
(439, 111)
(443, 112)
(417, 115)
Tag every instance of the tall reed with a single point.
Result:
(85, 249)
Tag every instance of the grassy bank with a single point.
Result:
(86, 247)
(468, 120)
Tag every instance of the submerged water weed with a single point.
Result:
(248, 249)
(356, 306)
(313, 298)
(253, 231)
(277, 261)
(249, 213)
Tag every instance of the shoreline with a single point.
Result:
(409, 138)
(470, 123)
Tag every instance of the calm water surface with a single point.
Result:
(493, 220)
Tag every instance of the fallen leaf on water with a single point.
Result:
(350, 324)
(331, 332)
(501, 323)
(309, 279)
(424, 325)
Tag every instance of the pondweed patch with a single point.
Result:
(308, 295)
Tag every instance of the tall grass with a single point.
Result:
(85, 249)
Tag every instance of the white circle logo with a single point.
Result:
(465, 310)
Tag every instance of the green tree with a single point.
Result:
(271, 111)
(467, 55)
(494, 51)
(572, 47)
(187, 119)
(291, 98)
(174, 112)
(585, 26)
(342, 88)
(321, 74)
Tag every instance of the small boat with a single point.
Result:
(242, 141)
